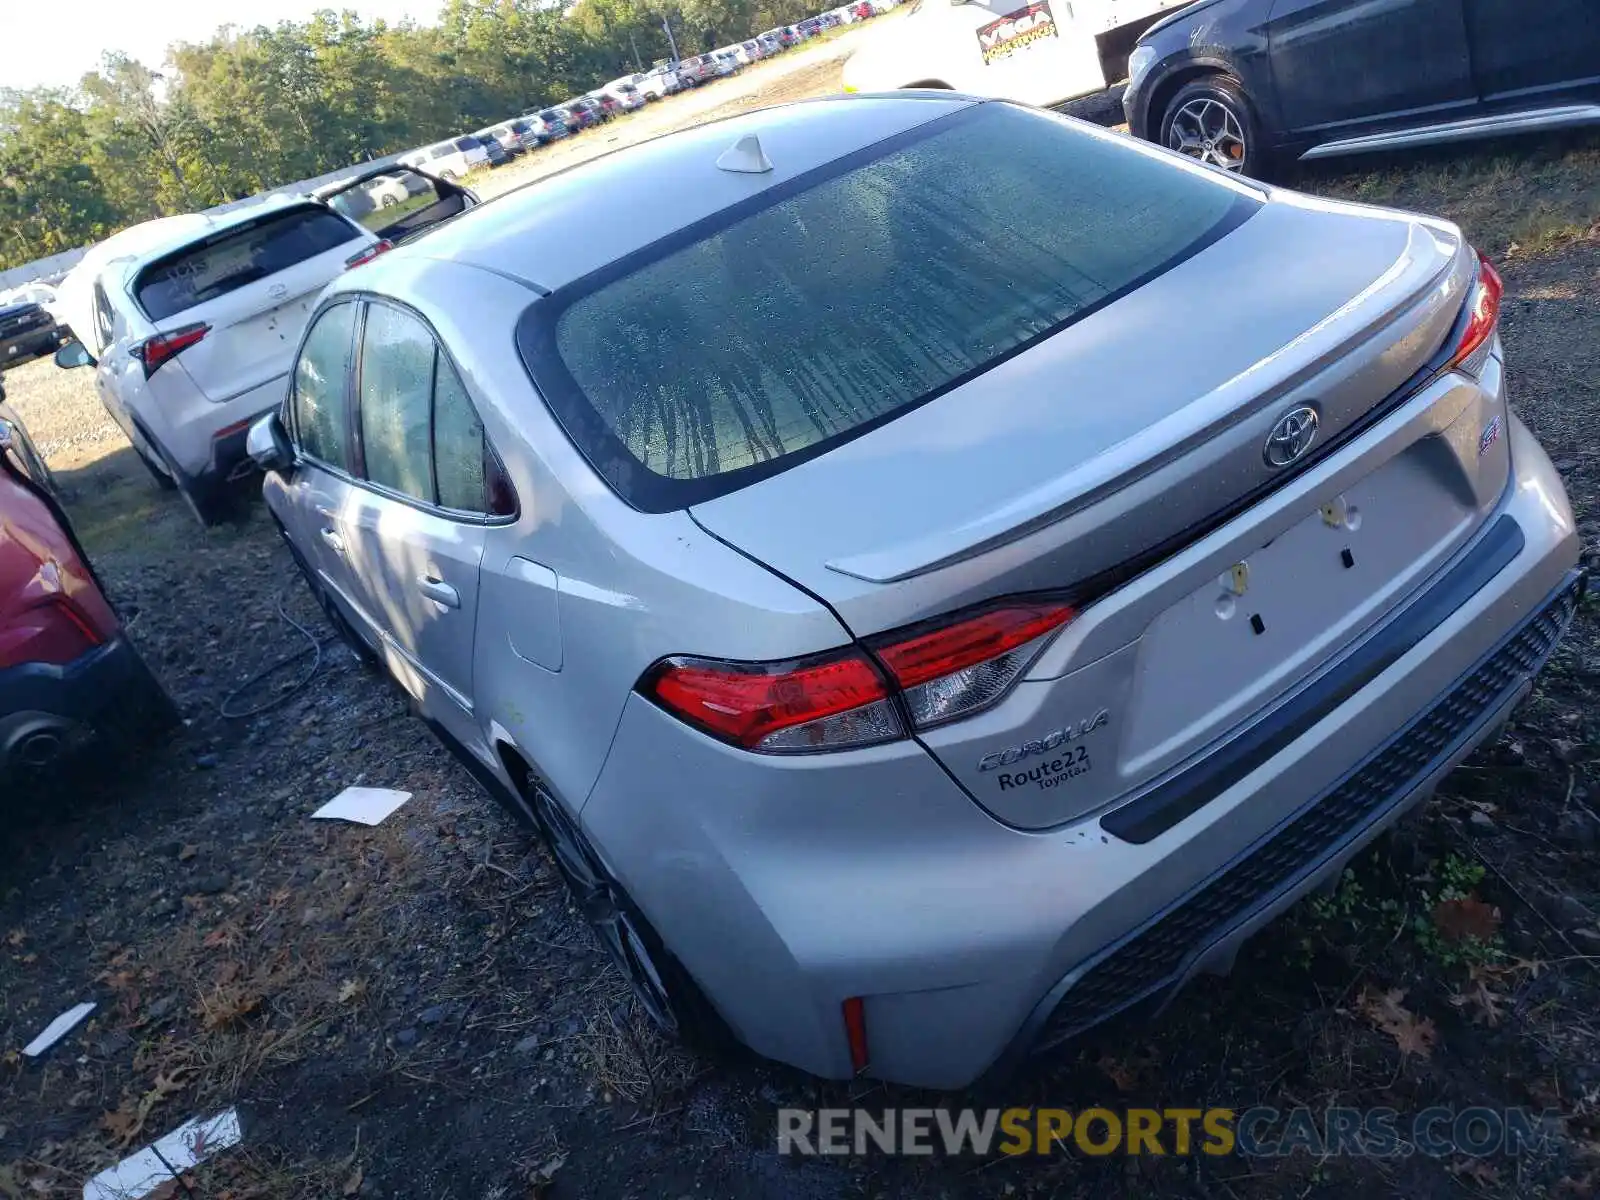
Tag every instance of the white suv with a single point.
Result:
(453, 159)
(191, 324)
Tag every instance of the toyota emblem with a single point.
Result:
(1291, 437)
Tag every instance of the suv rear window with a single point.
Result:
(833, 303)
(467, 143)
(236, 257)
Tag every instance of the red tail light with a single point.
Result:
(152, 352)
(52, 632)
(1483, 315)
(855, 1031)
(361, 257)
(851, 697)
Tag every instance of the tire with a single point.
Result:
(163, 481)
(387, 201)
(664, 991)
(1212, 121)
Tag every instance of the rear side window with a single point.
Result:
(420, 434)
(240, 256)
(320, 374)
(467, 143)
(395, 397)
(835, 302)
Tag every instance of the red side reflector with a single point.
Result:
(152, 352)
(855, 1029)
(955, 647)
(1484, 313)
(360, 258)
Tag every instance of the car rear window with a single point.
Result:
(550, 114)
(467, 143)
(236, 257)
(840, 299)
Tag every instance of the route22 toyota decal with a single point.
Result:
(1015, 30)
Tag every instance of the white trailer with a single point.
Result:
(1036, 51)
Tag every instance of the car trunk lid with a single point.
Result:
(1006, 487)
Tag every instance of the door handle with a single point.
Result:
(438, 591)
(333, 540)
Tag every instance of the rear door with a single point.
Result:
(1532, 53)
(255, 284)
(1347, 62)
(415, 530)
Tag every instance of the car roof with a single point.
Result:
(526, 233)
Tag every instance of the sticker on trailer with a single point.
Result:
(1001, 38)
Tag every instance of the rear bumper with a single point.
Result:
(108, 693)
(786, 886)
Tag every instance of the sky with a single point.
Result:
(52, 44)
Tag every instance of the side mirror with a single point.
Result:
(268, 444)
(73, 354)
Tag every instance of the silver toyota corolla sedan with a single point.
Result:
(940, 574)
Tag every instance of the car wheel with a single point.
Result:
(664, 990)
(1211, 120)
(388, 201)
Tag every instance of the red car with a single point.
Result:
(69, 675)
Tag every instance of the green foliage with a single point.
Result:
(252, 109)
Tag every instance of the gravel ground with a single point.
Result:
(414, 1011)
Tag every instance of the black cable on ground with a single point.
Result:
(313, 647)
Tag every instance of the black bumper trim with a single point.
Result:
(1147, 817)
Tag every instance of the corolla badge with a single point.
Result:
(1056, 737)
(1291, 437)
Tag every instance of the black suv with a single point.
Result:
(1241, 83)
(27, 331)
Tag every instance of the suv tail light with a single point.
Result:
(1483, 316)
(53, 632)
(364, 256)
(152, 352)
(921, 677)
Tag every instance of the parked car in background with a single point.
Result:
(658, 83)
(725, 61)
(1025, 674)
(1041, 53)
(772, 42)
(626, 95)
(454, 159)
(498, 155)
(553, 122)
(27, 330)
(502, 140)
(71, 681)
(790, 36)
(191, 336)
(605, 107)
(692, 72)
(753, 50)
(579, 116)
(1240, 84)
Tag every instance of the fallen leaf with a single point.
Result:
(1485, 1005)
(1119, 1073)
(188, 852)
(1566, 751)
(352, 1186)
(539, 1179)
(1482, 1173)
(122, 1123)
(16, 937)
(350, 989)
(1413, 1034)
(1466, 918)
(228, 972)
(222, 935)
(28, 960)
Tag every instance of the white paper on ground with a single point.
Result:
(363, 805)
(186, 1147)
(57, 1029)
